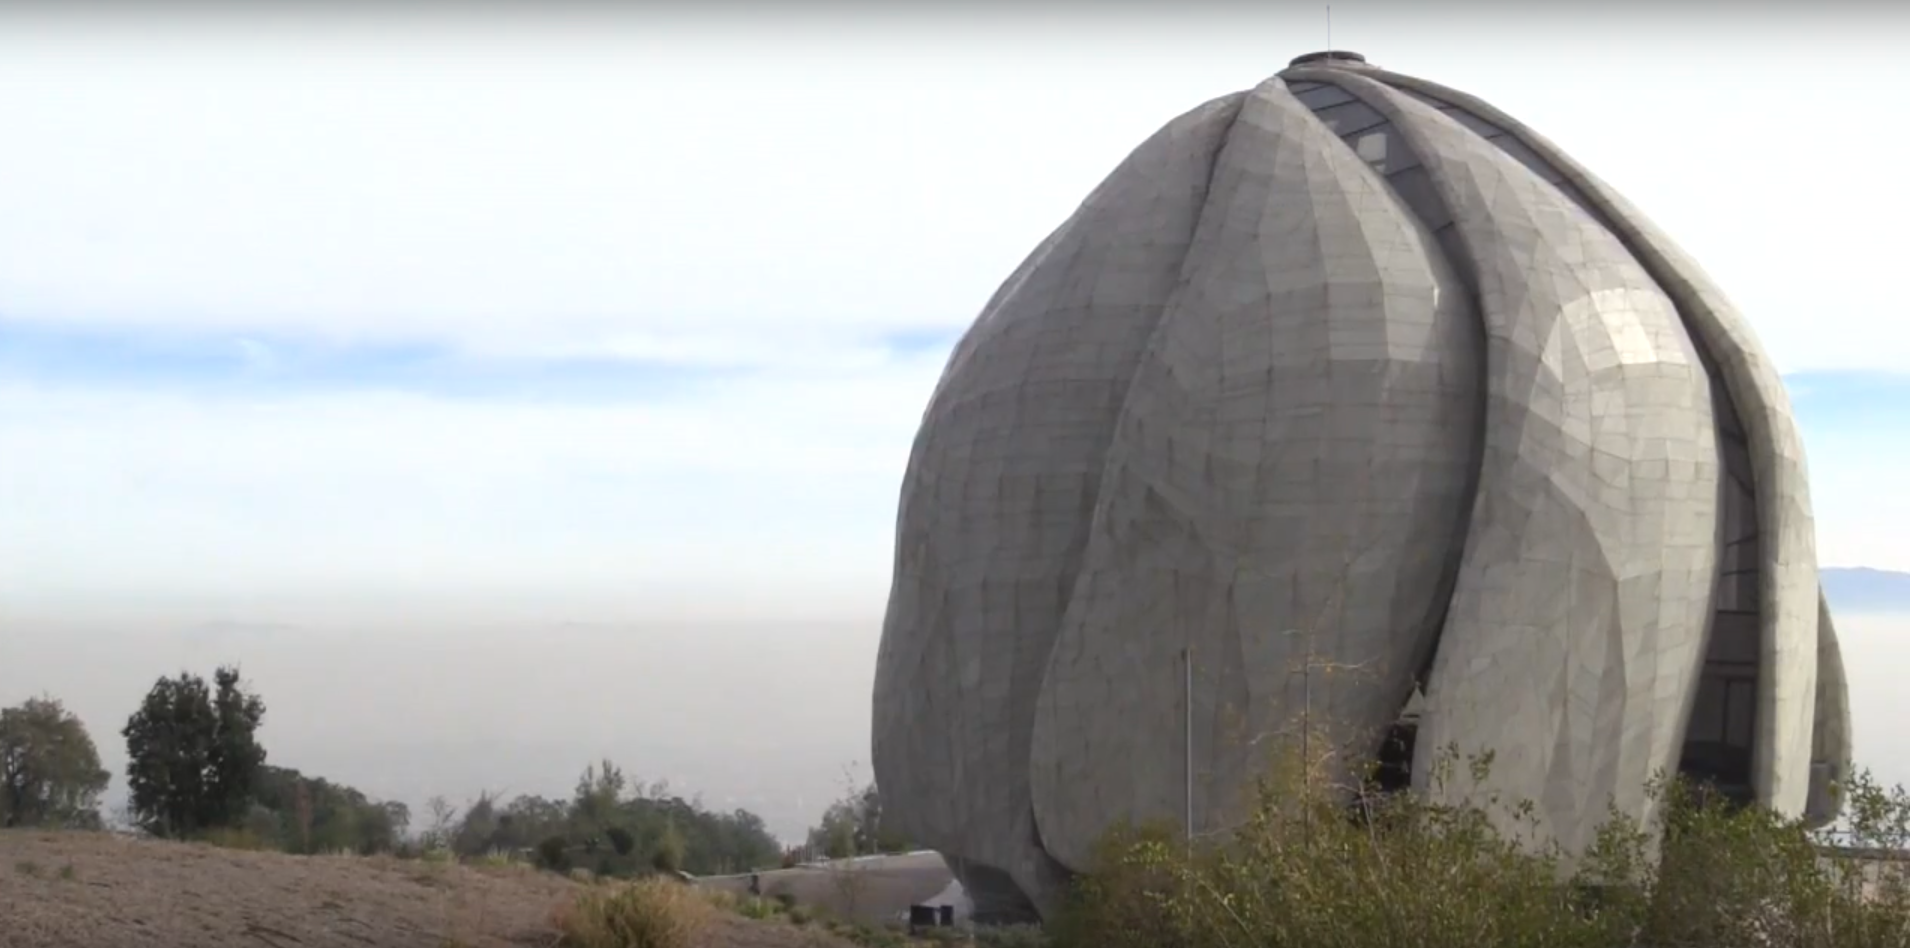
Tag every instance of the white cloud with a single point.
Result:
(639, 184)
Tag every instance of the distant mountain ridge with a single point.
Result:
(1862, 589)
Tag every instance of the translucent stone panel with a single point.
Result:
(1787, 620)
(1577, 626)
(1288, 475)
(996, 501)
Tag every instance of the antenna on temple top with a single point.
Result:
(1329, 26)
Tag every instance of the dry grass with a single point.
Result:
(95, 890)
(653, 913)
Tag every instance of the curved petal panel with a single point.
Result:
(997, 496)
(1830, 733)
(1286, 485)
(1576, 631)
(1787, 542)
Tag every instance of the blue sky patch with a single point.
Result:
(255, 363)
(1869, 403)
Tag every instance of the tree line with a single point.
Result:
(196, 769)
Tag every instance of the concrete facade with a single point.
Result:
(1347, 371)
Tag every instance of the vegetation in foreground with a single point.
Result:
(653, 913)
(1318, 866)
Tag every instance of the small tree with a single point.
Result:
(443, 827)
(49, 769)
(193, 756)
(477, 831)
(671, 848)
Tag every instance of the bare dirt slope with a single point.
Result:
(95, 890)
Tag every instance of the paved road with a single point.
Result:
(873, 889)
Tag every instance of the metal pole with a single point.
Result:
(1187, 659)
(1306, 743)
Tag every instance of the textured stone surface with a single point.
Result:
(1786, 587)
(1349, 371)
(1293, 457)
(999, 491)
(1830, 733)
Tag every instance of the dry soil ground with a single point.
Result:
(95, 890)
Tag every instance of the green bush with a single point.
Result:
(760, 909)
(669, 853)
(1318, 866)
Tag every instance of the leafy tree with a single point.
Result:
(523, 823)
(49, 769)
(315, 815)
(477, 832)
(193, 755)
(595, 801)
(237, 754)
(631, 826)
(444, 822)
(854, 825)
(670, 850)
(398, 817)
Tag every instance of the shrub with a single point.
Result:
(651, 913)
(1314, 864)
(621, 840)
(760, 909)
(554, 853)
(670, 850)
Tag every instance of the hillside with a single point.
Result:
(96, 890)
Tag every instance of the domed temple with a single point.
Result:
(1347, 369)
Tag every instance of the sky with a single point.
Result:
(509, 391)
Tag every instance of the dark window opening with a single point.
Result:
(1718, 741)
(1722, 729)
(1395, 768)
